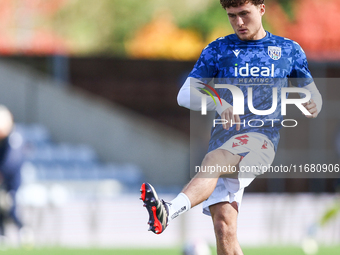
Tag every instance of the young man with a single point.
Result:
(258, 64)
(11, 159)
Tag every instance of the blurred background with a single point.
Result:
(92, 88)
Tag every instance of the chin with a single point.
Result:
(243, 37)
(246, 37)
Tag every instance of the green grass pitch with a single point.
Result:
(174, 251)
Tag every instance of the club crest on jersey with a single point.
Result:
(274, 52)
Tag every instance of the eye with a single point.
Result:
(231, 15)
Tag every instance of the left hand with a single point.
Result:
(311, 107)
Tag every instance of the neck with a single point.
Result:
(260, 34)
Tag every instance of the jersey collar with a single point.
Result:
(234, 38)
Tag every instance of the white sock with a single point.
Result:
(178, 206)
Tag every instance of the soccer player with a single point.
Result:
(11, 159)
(258, 64)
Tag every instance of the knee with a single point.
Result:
(225, 229)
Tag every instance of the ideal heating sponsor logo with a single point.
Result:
(258, 75)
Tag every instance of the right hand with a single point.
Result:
(311, 107)
(228, 115)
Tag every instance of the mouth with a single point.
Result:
(243, 31)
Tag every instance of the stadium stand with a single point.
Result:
(49, 161)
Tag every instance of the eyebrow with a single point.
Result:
(239, 13)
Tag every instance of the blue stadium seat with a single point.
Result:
(34, 133)
(64, 161)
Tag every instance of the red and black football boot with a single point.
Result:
(157, 209)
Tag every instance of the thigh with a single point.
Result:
(222, 161)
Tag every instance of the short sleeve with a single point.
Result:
(206, 66)
(300, 74)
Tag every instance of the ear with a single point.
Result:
(262, 8)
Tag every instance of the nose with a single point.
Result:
(239, 21)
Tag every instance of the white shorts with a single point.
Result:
(256, 151)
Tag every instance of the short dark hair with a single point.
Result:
(236, 3)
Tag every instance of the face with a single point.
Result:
(6, 123)
(246, 21)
